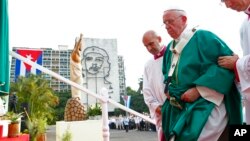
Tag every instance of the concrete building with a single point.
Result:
(102, 67)
(122, 80)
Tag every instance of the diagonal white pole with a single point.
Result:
(103, 99)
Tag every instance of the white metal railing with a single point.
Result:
(103, 97)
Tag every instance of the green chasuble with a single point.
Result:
(197, 66)
(4, 49)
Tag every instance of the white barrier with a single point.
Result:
(103, 97)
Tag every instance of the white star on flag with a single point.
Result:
(29, 57)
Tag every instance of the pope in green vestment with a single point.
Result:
(197, 66)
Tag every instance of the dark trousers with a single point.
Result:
(13, 107)
(126, 127)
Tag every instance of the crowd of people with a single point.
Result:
(194, 86)
(131, 122)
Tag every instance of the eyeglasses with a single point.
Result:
(171, 21)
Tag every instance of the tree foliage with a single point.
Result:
(37, 94)
(59, 109)
(137, 101)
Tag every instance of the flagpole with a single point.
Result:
(126, 102)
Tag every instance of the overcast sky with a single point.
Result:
(49, 23)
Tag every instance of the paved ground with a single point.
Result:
(115, 135)
(51, 133)
(132, 135)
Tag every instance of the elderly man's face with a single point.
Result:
(174, 23)
(238, 5)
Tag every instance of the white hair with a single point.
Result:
(176, 9)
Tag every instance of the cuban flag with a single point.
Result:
(23, 69)
(126, 99)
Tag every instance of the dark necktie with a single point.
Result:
(174, 43)
(167, 84)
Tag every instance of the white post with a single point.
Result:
(105, 124)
